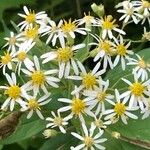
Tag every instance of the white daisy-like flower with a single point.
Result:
(129, 13)
(54, 31)
(65, 57)
(70, 27)
(34, 104)
(146, 110)
(15, 93)
(90, 140)
(120, 110)
(122, 52)
(13, 41)
(58, 121)
(137, 92)
(101, 123)
(40, 78)
(22, 58)
(142, 68)
(108, 25)
(105, 50)
(88, 79)
(31, 18)
(6, 61)
(77, 106)
(99, 95)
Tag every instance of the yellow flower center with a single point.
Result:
(58, 121)
(98, 123)
(89, 81)
(69, 26)
(64, 54)
(108, 23)
(14, 92)
(137, 89)
(145, 4)
(33, 104)
(21, 56)
(6, 58)
(38, 77)
(88, 141)
(78, 106)
(31, 17)
(130, 12)
(119, 109)
(12, 40)
(101, 96)
(142, 64)
(121, 50)
(32, 33)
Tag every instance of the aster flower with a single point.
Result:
(58, 121)
(108, 25)
(129, 12)
(141, 69)
(90, 139)
(31, 18)
(77, 106)
(40, 78)
(99, 95)
(88, 80)
(146, 110)
(65, 57)
(120, 110)
(13, 41)
(34, 104)
(137, 92)
(22, 58)
(105, 50)
(14, 92)
(122, 52)
(6, 61)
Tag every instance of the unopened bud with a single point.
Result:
(98, 9)
(49, 133)
(116, 135)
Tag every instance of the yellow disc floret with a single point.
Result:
(32, 33)
(120, 109)
(89, 81)
(21, 56)
(13, 91)
(64, 54)
(137, 89)
(88, 141)
(33, 104)
(31, 18)
(145, 4)
(101, 96)
(12, 40)
(6, 58)
(121, 50)
(38, 77)
(78, 106)
(142, 64)
(58, 121)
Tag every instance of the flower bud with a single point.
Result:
(98, 9)
(49, 133)
(116, 135)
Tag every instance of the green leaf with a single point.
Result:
(24, 131)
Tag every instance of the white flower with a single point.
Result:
(88, 80)
(58, 121)
(22, 58)
(142, 68)
(31, 18)
(40, 78)
(13, 41)
(122, 52)
(137, 92)
(129, 13)
(108, 25)
(105, 50)
(15, 93)
(120, 109)
(65, 57)
(99, 95)
(90, 139)
(146, 110)
(77, 106)
(70, 27)
(54, 31)
(34, 104)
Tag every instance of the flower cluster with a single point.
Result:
(34, 69)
